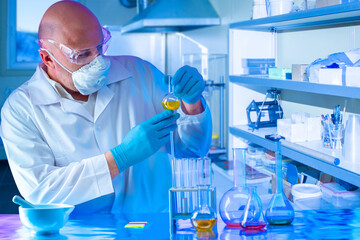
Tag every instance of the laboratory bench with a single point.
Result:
(331, 224)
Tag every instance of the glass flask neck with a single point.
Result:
(239, 167)
(170, 87)
(203, 193)
(279, 182)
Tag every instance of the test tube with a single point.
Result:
(186, 195)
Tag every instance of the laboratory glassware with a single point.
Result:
(253, 218)
(170, 101)
(233, 202)
(187, 175)
(204, 217)
(280, 211)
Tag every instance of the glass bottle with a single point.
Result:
(280, 211)
(253, 218)
(204, 216)
(233, 202)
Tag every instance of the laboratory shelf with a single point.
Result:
(326, 17)
(312, 153)
(326, 89)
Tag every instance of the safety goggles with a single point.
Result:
(86, 55)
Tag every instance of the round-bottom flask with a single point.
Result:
(204, 217)
(233, 202)
(170, 101)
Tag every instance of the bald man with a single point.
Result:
(89, 129)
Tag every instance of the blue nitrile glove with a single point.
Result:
(188, 84)
(144, 140)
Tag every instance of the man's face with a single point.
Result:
(80, 40)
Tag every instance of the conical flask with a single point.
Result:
(280, 211)
(253, 218)
(233, 202)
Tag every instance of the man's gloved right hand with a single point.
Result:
(144, 140)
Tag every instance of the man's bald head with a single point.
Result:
(70, 23)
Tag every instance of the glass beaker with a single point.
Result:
(280, 211)
(233, 202)
(253, 219)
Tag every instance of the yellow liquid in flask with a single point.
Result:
(204, 225)
(171, 105)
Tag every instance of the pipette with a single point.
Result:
(170, 102)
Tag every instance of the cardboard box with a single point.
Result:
(278, 73)
(293, 132)
(300, 128)
(326, 3)
(298, 71)
(352, 76)
(331, 76)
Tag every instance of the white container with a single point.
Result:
(339, 196)
(352, 76)
(331, 76)
(278, 7)
(306, 190)
(45, 218)
(351, 146)
(259, 9)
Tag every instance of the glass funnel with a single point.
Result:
(233, 202)
(204, 216)
(170, 101)
(280, 211)
(253, 218)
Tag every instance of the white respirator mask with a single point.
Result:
(90, 77)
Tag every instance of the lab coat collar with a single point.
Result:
(117, 71)
(40, 90)
(42, 93)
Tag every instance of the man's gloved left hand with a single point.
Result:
(188, 84)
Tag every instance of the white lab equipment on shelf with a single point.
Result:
(266, 38)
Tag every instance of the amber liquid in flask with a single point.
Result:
(204, 216)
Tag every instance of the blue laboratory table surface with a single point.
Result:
(331, 224)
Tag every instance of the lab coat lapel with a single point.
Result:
(76, 108)
(104, 96)
(117, 73)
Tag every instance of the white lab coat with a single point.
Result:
(55, 147)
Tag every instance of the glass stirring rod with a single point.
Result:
(171, 102)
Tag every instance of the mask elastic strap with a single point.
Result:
(44, 49)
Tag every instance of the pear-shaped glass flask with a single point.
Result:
(233, 202)
(280, 211)
(204, 217)
(170, 101)
(253, 218)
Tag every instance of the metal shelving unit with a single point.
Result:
(326, 89)
(327, 17)
(313, 154)
(343, 170)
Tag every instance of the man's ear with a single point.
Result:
(46, 58)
